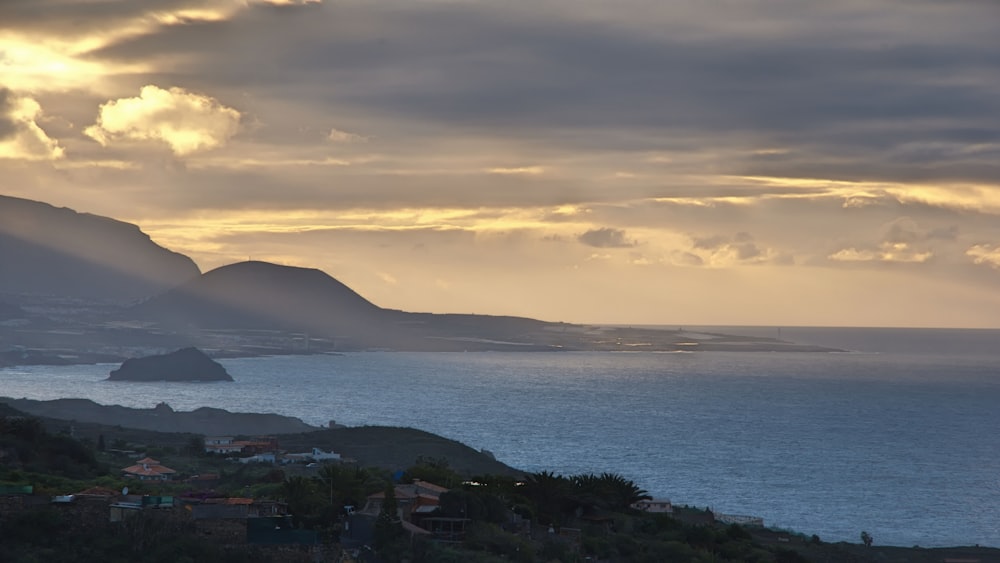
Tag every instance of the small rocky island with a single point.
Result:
(186, 364)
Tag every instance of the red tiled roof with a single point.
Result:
(400, 494)
(230, 501)
(98, 492)
(148, 467)
(430, 486)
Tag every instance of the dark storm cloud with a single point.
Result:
(80, 16)
(741, 246)
(606, 238)
(7, 125)
(855, 100)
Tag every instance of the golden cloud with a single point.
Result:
(20, 136)
(887, 252)
(338, 136)
(185, 121)
(985, 254)
(518, 170)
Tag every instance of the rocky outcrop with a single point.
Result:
(187, 364)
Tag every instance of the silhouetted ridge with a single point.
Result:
(47, 250)
(261, 295)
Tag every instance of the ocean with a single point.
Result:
(897, 436)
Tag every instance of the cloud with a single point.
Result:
(886, 252)
(606, 237)
(723, 250)
(20, 135)
(338, 136)
(517, 170)
(987, 254)
(902, 240)
(185, 121)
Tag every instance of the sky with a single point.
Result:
(733, 162)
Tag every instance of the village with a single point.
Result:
(249, 498)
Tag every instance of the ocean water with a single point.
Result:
(898, 436)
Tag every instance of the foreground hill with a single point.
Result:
(162, 418)
(379, 446)
(58, 252)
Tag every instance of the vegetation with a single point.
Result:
(540, 517)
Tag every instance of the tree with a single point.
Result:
(549, 493)
(608, 491)
(435, 471)
(300, 495)
(867, 539)
(387, 525)
(195, 446)
(100, 443)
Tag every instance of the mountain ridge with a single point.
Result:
(161, 301)
(57, 251)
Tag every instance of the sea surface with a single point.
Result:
(898, 436)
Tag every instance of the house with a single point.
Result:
(320, 455)
(419, 497)
(127, 506)
(654, 506)
(148, 469)
(315, 455)
(221, 445)
(241, 520)
(259, 445)
(405, 501)
(259, 458)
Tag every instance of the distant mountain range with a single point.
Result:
(57, 252)
(76, 287)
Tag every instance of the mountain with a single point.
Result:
(53, 260)
(50, 251)
(260, 296)
(263, 296)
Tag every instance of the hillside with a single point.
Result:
(58, 252)
(162, 418)
(261, 295)
(83, 288)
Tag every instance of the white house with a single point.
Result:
(260, 458)
(320, 455)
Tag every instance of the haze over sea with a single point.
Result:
(899, 437)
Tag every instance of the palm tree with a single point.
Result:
(549, 492)
(329, 476)
(621, 493)
(300, 495)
